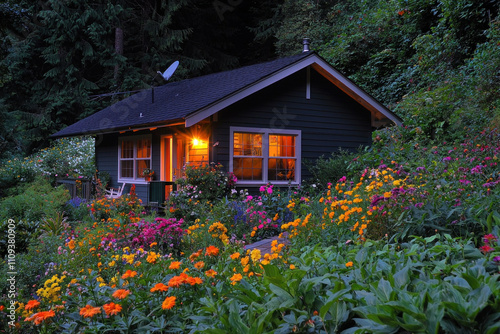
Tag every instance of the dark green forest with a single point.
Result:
(435, 63)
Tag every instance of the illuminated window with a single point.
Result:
(134, 157)
(198, 152)
(265, 155)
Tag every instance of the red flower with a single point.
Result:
(486, 249)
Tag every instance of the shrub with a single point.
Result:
(32, 266)
(34, 201)
(328, 170)
(201, 184)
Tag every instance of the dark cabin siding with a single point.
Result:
(329, 120)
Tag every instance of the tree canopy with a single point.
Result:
(434, 62)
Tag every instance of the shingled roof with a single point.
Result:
(198, 97)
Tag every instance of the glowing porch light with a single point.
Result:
(198, 143)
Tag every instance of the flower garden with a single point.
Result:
(405, 241)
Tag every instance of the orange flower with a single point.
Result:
(175, 282)
(159, 287)
(235, 256)
(212, 251)
(89, 311)
(2, 308)
(175, 265)
(195, 255)
(129, 273)
(349, 264)
(194, 280)
(39, 317)
(71, 244)
(210, 273)
(31, 304)
(236, 278)
(199, 265)
(168, 303)
(112, 308)
(121, 293)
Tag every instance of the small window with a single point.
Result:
(265, 155)
(135, 156)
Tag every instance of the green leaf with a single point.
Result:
(401, 278)
(384, 288)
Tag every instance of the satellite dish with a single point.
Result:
(170, 70)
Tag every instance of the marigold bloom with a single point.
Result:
(236, 278)
(255, 255)
(210, 273)
(175, 282)
(129, 273)
(212, 251)
(349, 264)
(292, 266)
(159, 287)
(121, 293)
(235, 256)
(39, 317)
(199, 265)
(175, 265)
(32, 304)
(194, 280)
(89, 311)
(195, 255)
(71, 244)
(244, 261)
(152, 257)
(112, 308)
(168, 303)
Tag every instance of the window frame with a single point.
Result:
(266, 132)
(134, 139)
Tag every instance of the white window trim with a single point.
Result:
(265, 132)
(134, 179)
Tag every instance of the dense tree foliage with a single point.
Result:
(435, 62)
(56, 56)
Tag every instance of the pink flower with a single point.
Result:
(261, 226)
(262, 189)
(270, 190)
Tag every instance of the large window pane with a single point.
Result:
(144, 148)
(141, 166)
(127, 168)
(281, 146)
(249, 144)
(281, 169)
(127, 149)
(247, 168)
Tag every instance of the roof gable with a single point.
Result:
(195, 99)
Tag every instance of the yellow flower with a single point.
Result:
(255, 255)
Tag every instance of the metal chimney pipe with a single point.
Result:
(306, 42)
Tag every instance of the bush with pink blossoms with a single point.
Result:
(166, 233)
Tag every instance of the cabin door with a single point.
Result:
(166, 157)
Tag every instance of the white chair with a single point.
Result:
(115, 193)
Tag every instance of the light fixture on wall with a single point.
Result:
(198, 143)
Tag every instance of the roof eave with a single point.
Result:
(380, 114)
